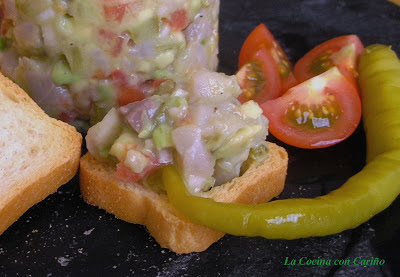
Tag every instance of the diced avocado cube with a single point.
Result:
(164, 59)
(3, 43)
(146, 131)
(162, 74)
(238, 142)
(162, 136)
(176, 102)
(251, 109)
(64, 25)
(62, 75)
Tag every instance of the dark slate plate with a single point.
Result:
(63, 236)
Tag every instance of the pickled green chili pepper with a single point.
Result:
(365, 194)
(379, 77)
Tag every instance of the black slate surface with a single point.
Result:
(63, 236)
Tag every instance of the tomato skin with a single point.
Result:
(289, 82)
(261, 37)
(346, 64)
(343, 121)
(266, 85)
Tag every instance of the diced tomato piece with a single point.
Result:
(1, 12)
(119, 77)
(115, 12)
(179, 20)
(126, 93)
(5, 24)
(114, 41)
(126, 174)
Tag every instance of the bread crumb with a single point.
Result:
(63, 261)
(88, 232)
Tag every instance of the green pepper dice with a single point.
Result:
(365, 194)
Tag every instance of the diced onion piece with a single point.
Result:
(136, 161)
(196, 161)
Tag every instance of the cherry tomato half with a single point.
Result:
(261, 37)
(317, 113)
(259, 78)
(342, 52)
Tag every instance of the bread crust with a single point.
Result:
(137, 204)
(22, 192)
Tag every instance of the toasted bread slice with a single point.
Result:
(37, 153)
(396, 1)
(135, 203)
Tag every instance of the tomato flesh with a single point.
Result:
(126, 93)
(259, 78)
(342, 52)
(314, 116)
(125, 173)
(114, 42)
(261, 37)
(115, 12)
(179, 20)
(317, 113)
